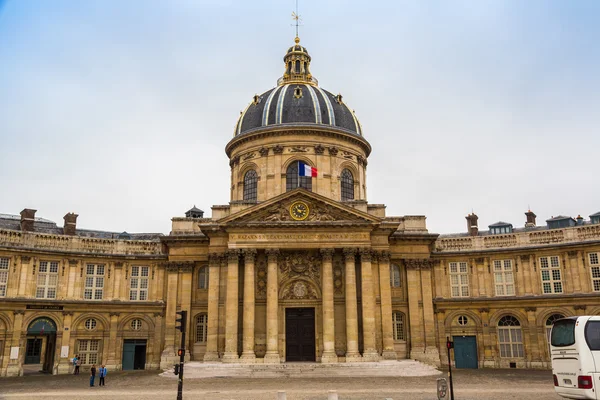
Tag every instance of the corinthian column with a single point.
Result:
(212, 329)
(352, 354)
(272, 354)
(387, 332)
(248, 329)
(368, 307)
(328, 355)
(231, 308)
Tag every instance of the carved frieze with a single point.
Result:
(249, 156)
(338, 277)
(300, 264)
(298, 149)
(176, 266)
(299, 290)
(261, 279)
(347, 155)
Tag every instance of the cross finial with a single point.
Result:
(296, 17)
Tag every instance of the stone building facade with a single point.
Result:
(298, 266)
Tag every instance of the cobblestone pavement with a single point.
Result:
(485, 384)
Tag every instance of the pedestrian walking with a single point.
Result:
(92, 374)
(75, 365)
(78, 365)
(102, 374)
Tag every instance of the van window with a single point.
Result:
(563, 333)
(592, 335)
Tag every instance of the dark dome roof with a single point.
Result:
(297, 103)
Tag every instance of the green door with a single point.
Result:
(465, 351)
(33, 351)
(128, 354)
(134, 354)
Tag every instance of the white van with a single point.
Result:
(575, 348)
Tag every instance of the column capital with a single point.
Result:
(65, 313)
(272, 254)
(18, 312)
(115, 314)
(530, 309)
(418, 263)
(349, 252)
(249, 255)
(384, 256)
(215, 258)
(365, 254)
(327, 254)
(233, 255)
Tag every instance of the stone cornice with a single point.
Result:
(279, 131)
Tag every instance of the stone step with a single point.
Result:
(198, 370)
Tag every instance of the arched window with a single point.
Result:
(549, 322)
(293, 181)
(398, 323)
(395, 281)
(203, 278)
(510, 337)
(250, 183)
(347, 185)
(201, 324)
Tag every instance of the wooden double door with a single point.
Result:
(300, 334)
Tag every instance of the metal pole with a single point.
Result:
(182, 356)
(448, 346)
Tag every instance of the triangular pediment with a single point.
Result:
(321, 210)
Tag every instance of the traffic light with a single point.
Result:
(180, 321)
(176, 369)
(181, 352)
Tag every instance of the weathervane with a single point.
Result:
(296, 17)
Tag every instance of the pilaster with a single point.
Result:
(212, 334)
(387, 332)
(329, 355)
(368, 306)
(272, 354)
(232, 307)
(352, 354)
(248, 355)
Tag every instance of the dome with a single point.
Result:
(297, 100)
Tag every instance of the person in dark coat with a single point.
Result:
(92, 374)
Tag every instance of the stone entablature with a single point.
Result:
(77, 245)
(533, 238)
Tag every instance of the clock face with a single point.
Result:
(299, 210)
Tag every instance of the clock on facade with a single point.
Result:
(299, 210)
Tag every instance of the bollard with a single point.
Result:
(332, 395)
(281, 395)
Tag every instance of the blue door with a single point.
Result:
(465, 351)
(134, 354)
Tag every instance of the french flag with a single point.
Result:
(306, 170)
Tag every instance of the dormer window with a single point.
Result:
(500, 228)
(560, 222)
(595, 218)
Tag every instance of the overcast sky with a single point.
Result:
(119, 110)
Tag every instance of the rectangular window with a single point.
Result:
(88, 351)
(138, 283)
(551, 277)
(459, 279)
(504, 280)
(595, 271)
(201, 323)
(94, 282)
(4, 262)
(398, 322)
(510, 340)
(47, 280)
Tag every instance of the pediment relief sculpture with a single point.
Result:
(300, 264)
(299, 290)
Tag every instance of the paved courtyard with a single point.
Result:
(139, 385)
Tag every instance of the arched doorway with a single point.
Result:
(41, 343)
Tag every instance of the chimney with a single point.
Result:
(579, 220)
(530, 219)
(70, 224)
(27, 218)
(472, 224)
